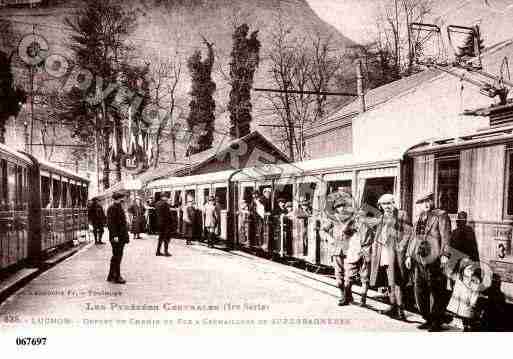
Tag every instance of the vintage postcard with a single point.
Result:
(193, 167)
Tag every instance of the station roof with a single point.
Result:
(196, 161)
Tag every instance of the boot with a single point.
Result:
(391, 312)
(343, 297)
(363, 302)
(400, 313)
(347, 296)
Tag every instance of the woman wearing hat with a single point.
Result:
(136, 211)
(391, 238)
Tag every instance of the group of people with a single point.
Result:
(428, 254)
(140, 219)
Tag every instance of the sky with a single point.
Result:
(354, 18)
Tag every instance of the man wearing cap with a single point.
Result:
(427, 252)
(97, 219)
(351, 247)
(118, 236)
(281, 209)
(392, 234)
(212, 218)
(165, 224)
(463, 239)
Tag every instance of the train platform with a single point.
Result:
(196, 289)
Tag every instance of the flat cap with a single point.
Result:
(425, 197)
(266, 189)
(462, 216)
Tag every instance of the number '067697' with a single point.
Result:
(31, 341)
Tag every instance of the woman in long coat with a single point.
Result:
(388, 251)
(136, 211)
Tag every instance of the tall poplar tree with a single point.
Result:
(244, 62)
(200, 121)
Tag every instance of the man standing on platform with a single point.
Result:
(118, 236)
(463, 238)
(97, 219)
(165, 224)
(351, 246)
(212, 220)
(427, 252)
(392, 235)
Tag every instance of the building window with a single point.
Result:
(221, 197)
(447, 182)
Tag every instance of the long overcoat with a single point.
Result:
(398, 237)
(164, 219)
(117, 224)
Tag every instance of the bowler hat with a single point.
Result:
(425, 197)
(119, 195)
(462, 216)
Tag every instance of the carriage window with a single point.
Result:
(45, 191)
(247, 195)
(373, 189)
(190, 195)
(306, 191)
(221, 197)
(283, 191)
(19, 187)
(177, 200)
(3, 185)
(56, 194)
(447, 176)
(11, 185)
(206, 193)
(344, 186)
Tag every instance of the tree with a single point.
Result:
(201, 117)
(395, 45)
(244, 62)
(300, 64)
(165, 79)
(98, 45)
(11, 96)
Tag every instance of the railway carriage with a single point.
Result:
(42, 208)
(472, 173)
(285, 236)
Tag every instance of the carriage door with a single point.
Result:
(4, 216)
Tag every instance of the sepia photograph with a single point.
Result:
(208, 168)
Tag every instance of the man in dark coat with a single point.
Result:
(165, 224)
(97, 219)
(427, 253)
(118, 236)
(463, 239)
(392, 234)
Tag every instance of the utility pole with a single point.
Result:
(31, 74)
